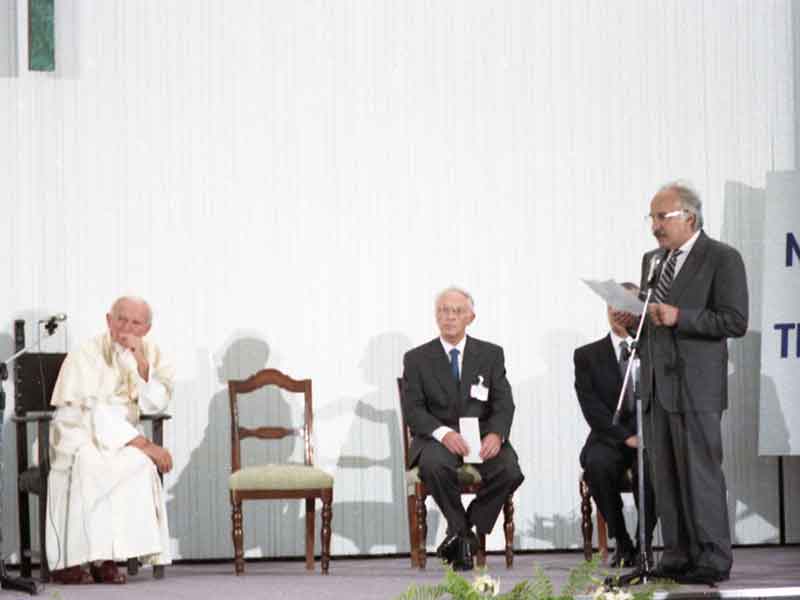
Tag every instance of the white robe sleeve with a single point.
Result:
(111, 429)
(153, 396)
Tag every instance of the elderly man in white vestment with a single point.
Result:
(105, 502)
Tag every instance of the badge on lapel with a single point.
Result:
(479, 391)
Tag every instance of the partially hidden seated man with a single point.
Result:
(105, 501)
(610, 450)
(455, 376)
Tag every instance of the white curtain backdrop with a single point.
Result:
(290, 184)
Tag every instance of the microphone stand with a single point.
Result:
(643, 572)
(7, 582)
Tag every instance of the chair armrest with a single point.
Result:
(160, 417)
(158, 426)
(33, 417)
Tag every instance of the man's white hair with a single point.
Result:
(457, 290)
(690, 199)
(137, 300)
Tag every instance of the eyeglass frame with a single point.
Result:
(456, 311)
(661, 217)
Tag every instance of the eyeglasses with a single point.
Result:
(663, 216)
(456, 311)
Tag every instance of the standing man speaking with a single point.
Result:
(699, 301)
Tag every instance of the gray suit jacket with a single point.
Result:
(432, 398)
(688, 363)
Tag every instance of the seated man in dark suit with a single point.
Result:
(610, 450)
(455, 376)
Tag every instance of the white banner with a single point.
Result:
(779, 410)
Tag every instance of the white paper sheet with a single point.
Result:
(471, 432)
(615, 295)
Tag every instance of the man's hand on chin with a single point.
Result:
(136, 346)
(490, 446)
(455, 443)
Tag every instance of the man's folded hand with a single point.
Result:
(455, 443)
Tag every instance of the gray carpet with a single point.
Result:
(385, 578)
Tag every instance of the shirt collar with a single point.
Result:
(448, 346)
(689, 244)
(615, 341)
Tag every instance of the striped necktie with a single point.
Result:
(665, 281)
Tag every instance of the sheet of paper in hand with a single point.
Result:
(615, 295)
(471, 433)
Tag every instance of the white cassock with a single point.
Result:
(105, 500)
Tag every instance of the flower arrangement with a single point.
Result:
(584, 580)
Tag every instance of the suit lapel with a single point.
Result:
(689, 269)
(469, 368)
(441, 368)
(609, 360)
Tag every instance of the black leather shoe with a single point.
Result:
(703, 576)
(624, 555)
(464, 561)
(667, 571)
(448, 550)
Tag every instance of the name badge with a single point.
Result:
(479, 391)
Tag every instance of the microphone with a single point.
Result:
(51, 322)
(655, 263)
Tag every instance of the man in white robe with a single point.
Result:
(105, 501)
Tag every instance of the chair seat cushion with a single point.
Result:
(467, 475)
(280, 477)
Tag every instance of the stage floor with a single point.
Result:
(765, 572)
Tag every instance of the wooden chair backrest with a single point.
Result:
(256, 381)
(35, 375)
(406, 431)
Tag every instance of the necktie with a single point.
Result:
(454, 363)
(665, 281)
(624, 355)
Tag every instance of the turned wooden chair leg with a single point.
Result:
(413, 537)
(586, 518)
(310, 534)
(422, 529)
(480, 559)
(602, 536)
(327, 516)
(238, 536)
(133, 566)
(508, 529)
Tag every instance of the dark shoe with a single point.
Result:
(669, 571)
(448, 549)
(76, 575)
(465, 561)
(703, 576)
(107, 572)
(624, 555)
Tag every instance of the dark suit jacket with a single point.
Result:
(432, 397)
(597, 384)
(689, 362)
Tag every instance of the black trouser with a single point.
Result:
(604, 469)
(500, 476)
(685, 452)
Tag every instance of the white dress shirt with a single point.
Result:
(439, 433)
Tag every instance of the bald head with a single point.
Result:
(132, 302)
(129, 318)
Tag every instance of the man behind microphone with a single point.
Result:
(699, 301)
(610, 449)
